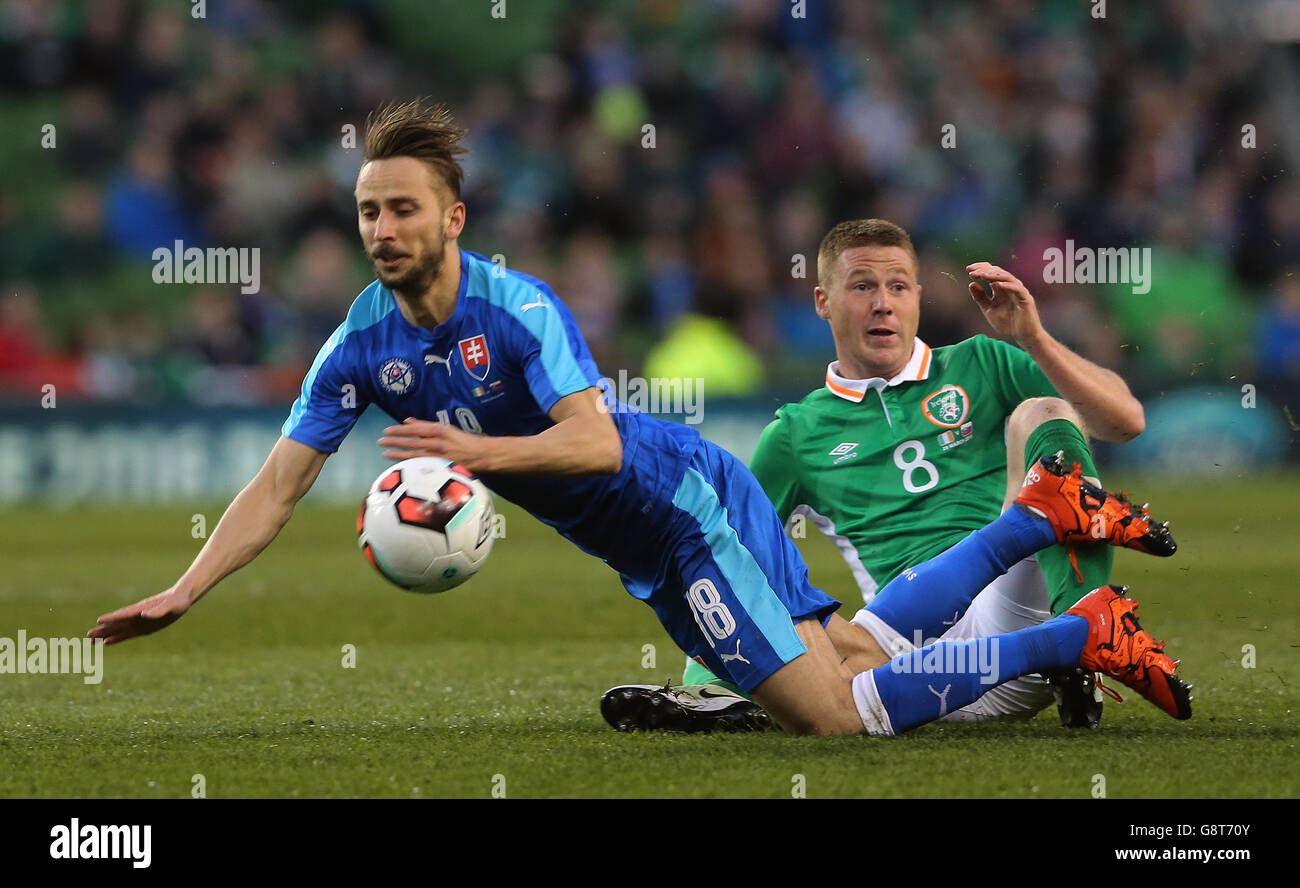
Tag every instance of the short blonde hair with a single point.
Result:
(860, 233)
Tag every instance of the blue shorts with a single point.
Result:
(730, 584)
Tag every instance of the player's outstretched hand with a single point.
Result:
(1009, 308)
(421, 437)
(143, 617)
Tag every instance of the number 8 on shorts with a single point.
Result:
(712, 616)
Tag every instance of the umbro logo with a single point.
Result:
(843, 451)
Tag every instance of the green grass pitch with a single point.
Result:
(495, 684)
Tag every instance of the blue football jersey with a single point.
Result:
(509, 351)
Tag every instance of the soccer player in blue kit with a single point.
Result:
(495, 363)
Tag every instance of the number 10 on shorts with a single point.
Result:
(711, 615)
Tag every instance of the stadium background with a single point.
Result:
(130, 411)
(677, 259)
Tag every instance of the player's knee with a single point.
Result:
(1033, 412)
(822, 725)
(823, 715)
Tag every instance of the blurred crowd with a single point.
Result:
(990, 130)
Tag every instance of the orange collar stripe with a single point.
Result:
(841, 390)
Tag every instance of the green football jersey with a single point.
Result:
(895, 471)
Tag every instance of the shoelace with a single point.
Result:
(1113, 694)
(1074, 563)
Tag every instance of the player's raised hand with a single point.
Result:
(421, 437)
(1009, 308)
(143, 617)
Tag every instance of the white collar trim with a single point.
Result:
(917, 367)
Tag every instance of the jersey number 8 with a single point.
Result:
(911, 465)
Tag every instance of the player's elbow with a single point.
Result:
(611, 452)
(1124, 423)
(603, 454)
(287, 475)
(1135, 421)
(274, 498)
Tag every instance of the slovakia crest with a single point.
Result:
(474, 355)
(396, 375)
(948, 407)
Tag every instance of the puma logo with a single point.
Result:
(434, 359)
(540, 303)
(727, 658)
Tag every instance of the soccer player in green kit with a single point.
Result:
(907, 449)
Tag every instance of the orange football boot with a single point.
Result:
(1118, 646)
(1081, 512)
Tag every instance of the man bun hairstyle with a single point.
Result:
(418, 129)
(860, 233)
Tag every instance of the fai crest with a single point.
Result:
(397, 376)
(948, 407)
(474, 355)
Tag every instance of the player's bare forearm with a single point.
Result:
(1101, 396)
(249, 524)
(583, 441)
(578, 445)
(255, 516)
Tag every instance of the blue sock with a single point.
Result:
(933, 595)
(926, 684)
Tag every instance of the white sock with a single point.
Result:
(889, 638)
(870, 707)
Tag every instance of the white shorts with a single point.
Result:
(1015, 600)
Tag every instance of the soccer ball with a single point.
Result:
(426, 524)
